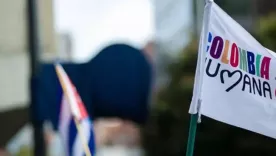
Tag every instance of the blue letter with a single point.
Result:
(250, 62)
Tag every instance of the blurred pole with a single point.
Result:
(195, 18)
(254, 13)
(198, 11)
(34, 51)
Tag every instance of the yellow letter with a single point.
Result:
(224, 57)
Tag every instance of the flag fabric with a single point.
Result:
(75, 126)
(271, 52)
(235, 81)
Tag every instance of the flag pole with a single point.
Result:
(192, 135)
(84, 143)
(194, 117)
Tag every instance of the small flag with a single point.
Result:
(75, 126)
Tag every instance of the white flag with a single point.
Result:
(237, 81)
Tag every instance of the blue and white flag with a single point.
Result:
(75, 126)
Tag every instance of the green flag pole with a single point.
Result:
(194, 117)
(192, 135)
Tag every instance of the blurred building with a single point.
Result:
(173, 31)
(173, 22)
(14, 64)
(14, 61)
(65, 46)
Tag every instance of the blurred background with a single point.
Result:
(165, 31)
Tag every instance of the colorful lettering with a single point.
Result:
(237, 57)
(216, 47)
(265, 68)
(234, 59)
(251, 62)
(225, 53)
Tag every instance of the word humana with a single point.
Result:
(230, 53)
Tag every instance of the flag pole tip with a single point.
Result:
(57, 61)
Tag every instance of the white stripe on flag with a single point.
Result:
(65, 118)
(70, 91)
(85, 126)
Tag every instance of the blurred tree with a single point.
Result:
(24, 151)
(166, 132)
(266, 32)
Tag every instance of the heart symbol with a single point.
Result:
(231, 74)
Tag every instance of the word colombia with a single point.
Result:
(256, 67)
